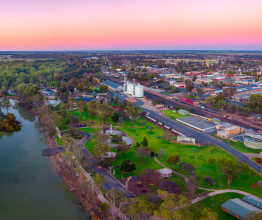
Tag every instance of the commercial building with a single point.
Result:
(243, 208)
(233, 130)
(113, 86)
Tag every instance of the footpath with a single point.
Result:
(214, 191)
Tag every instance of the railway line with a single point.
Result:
(209, 113)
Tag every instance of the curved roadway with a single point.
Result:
(111, 181)
(202, 137)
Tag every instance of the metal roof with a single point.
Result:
(253, 200)
(239, 207)
(111, 84)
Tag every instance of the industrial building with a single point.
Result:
(197, 123)
(133, 89)
(113, 86)
(243, 208)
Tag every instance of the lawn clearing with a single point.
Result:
(173, 115)
(218, 201)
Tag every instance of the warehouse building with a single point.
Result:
(243, 208)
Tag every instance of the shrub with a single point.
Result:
(127, 166)
(104, 207)
(209, 180)
(115, 139)
(10, 128)
(137, 144)
(186, 166)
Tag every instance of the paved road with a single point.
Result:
(111, 182)
(203, 137)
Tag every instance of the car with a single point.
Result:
(147, 114)
(171, 107)
(203, 107)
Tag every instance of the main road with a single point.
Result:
(201, 137)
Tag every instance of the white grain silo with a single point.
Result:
(139, 91)
(130, 88)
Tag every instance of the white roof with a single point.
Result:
(165, 171)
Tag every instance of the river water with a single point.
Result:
(30, 187)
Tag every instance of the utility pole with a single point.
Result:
(209, 113)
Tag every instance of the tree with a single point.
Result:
(200, 91)
(252, 172)
(145, 142)
(143, 123)
(142, 153)
(7, 105)
(173, 207)
(85, 109)
(122, 147)
(189, 86)
(150, 176)
(71, 101)
(169, 186)
(243, 167)
(117, 201)
(140, 209)
(99, 180)
(161, 153)
(173, 160)
(127, 166)
(116, 99)
(80, 105)
(115, 117)
(230, 169)
(101, 151)
(207, 214)
(228, 92)
(92, 107)
(257, 79)
(211, 161)
(150, 128)
(209, 180)
(101, 109)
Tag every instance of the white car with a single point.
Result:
(203, 107)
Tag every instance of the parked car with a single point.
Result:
(203, 107)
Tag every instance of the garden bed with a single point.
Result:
(133, 186)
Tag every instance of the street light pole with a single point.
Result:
(214, 195)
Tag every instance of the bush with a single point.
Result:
(186, 166)
(115, 117)
(104, 207)
(10, 128)
(115, 139)
(137, 144)
(209, 180)
(127, 166)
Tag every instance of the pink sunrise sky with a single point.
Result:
(130, 24)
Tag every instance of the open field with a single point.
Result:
(173, 115)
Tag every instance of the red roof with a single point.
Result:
(189, 101)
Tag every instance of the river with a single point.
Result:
(30, 187)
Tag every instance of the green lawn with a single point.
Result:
(173, 115)
(255, 159)
(218, 200)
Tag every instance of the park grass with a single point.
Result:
(87, 119)
(115, 104)
(195, 155)
(173, 115)
(218, 201)
(148, 162)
